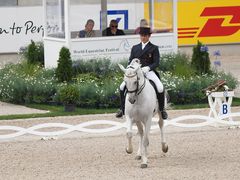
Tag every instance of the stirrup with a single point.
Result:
(119, 114)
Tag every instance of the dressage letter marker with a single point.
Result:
(224, 109)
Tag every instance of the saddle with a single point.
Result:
(220, 85)
(154, 86)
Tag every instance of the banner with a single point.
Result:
(18, 26)
(210, 22)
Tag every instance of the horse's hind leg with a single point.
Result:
(163, 140)
(129, 149)
(140, 146)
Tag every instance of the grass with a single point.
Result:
(58, 110)
(236, 102)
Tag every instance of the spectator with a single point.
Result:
(113, 30)
(88, 31)
(143, 23)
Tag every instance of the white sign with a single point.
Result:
(18, 26)
(116, 47)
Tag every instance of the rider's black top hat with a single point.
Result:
(145, 30)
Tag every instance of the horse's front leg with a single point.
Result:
(145, 143)
(129, 149)
(163, 140)
(140, 146)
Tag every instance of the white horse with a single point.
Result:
(140, 106)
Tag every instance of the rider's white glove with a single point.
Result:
(146, 69)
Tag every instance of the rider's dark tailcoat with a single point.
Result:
(149, 56)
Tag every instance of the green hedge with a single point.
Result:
(27, 83)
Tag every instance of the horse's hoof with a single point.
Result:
(143, 165)
(138, 157)
(165, 149)
(129, 151)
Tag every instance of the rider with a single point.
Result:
(149, 56)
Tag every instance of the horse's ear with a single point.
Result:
(138, 60)
(122, 68)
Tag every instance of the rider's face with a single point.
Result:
(144, 37)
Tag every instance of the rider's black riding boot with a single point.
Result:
(120, 113)
(161, 102)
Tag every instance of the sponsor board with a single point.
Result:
(211, 22)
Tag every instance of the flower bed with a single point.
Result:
(26, 83)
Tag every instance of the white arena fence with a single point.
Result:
(82, 127)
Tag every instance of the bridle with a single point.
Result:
(138, 89)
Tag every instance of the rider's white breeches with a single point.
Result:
(152, 76)
(123, 84)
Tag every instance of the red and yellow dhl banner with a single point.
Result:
(209, 21)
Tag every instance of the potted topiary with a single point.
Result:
(69, 96)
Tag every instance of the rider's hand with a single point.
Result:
(146, 69)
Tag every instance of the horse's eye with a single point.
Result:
(135, 82)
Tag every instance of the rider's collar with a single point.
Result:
(144, 44)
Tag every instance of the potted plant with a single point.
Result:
(69, 96)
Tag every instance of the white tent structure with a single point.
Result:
(64, 18)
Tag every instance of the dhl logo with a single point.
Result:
(217, 24)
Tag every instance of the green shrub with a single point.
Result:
(18, 86)
(232, 82)
(64, 70)
(200, 59)
(34, 53)
(178, 64)
(99, 92)
(97, 67)
(167, 62)
(190, 90)
(30, 83)
(28, 69)
(88, 94)
(108, 93)
(69, 94)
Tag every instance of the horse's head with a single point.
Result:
(132, 75)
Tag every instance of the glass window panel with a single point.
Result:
(29, 2)
(82, 12)
(8, 2)
(128, 13)
(55, 25)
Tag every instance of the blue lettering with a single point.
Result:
(224, 109)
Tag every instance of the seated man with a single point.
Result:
(143, 23)
(113, 30)
(149, 56)
(88, 31)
